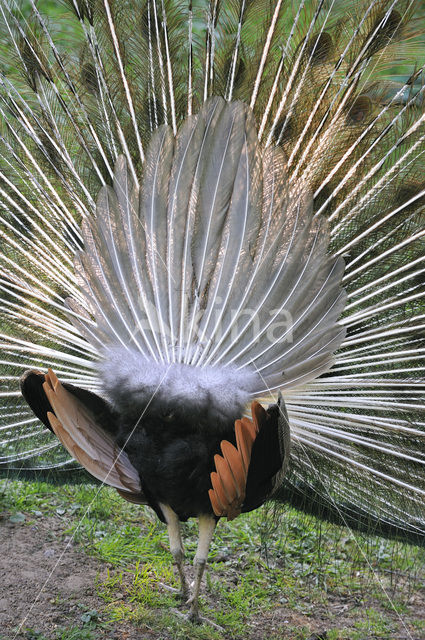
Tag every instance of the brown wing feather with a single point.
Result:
(88, 443)
(234, 460)
(216, 505)
(229, 479)
(135, 498)
(220, 495)
(244, 442)
(259, 414)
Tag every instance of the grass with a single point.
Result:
(73, 633)
(292, 570)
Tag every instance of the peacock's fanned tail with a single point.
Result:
(230, 185)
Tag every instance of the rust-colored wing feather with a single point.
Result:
(87, 442)
(229, 479)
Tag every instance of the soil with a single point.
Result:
(43, 578)
(47, 583)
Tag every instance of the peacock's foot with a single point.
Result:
(182, 593)
(195, 618)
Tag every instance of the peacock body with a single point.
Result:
(204, 204)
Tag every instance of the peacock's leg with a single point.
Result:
(176, 547)
(206, 531)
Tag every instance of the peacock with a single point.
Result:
(212, 279)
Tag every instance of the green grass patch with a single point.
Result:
(286, 567)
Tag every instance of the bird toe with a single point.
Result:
(195, 618)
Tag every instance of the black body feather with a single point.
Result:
(173, 452)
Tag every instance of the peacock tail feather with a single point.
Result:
(224, 185)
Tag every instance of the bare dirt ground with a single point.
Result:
(40, 585)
